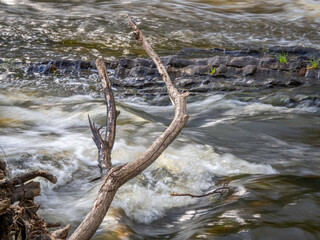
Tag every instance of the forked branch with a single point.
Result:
(105, 145)
(119, 175)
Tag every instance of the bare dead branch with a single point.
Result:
(2, 169)
(2, 165)
(218, 190)
(102, 147)
(172, 91)
(105, 145)
(53, 225)
(61, 233)
(26, 177)
(119, 175)
(27, 191)
(2, 174)
(4, 205)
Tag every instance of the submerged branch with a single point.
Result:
(218, 190)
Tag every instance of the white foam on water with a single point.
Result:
(59, 140)
(9, 2)
(187, 169)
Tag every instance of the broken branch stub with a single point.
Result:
(105, 145)
(119, 175)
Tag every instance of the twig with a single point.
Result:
(4, 153)
(218, 190)
(53, 225)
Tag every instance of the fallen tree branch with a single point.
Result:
(119, 175)
(4, 205)
(61, 233)
(2, 168)
(218, 190)
(27, 191)
(26, 177)
(21, 220)
(2, 165)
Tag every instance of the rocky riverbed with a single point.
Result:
(198, 71)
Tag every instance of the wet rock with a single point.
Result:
(243, 61)
(189, 70)
(202, 70)
(232, 71)
(294, 82)
(216, 61)
(195, 52)
(138, 71)
(298, 63)
(313, 73)
(144, 62)
(221, 69)
(126, 63)
(185, 82)
(261, 71)
(120, 72)
(275, 83)
(142, 72)
(201, 62)
(295, 50)
(175, 61)
(85, 65)
(113, 64)
(249, 70)
(268, 62)
(180, 63)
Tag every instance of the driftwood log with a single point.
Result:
(21, 221)
(117, 176)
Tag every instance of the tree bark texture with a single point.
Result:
(105, 145)
(119, 175)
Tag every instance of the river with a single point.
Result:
(264, 144)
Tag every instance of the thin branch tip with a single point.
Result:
(220, 190)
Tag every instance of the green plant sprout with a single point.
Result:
(282, 57)
(212, 71)
(314, 63)
(211, 197)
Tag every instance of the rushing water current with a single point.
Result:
(267, 147)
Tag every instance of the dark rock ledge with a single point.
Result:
(191, 69)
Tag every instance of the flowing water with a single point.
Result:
(264, 143)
